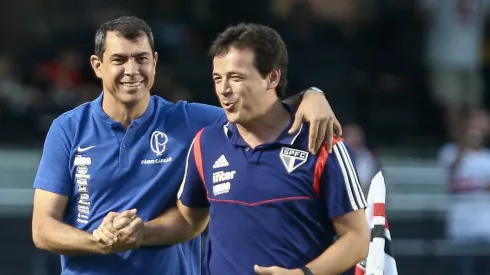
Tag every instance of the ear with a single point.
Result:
(155, 59)
(274, 77)
(96, 65)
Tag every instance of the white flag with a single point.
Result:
(380, 260)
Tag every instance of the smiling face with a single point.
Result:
(243, 93)
(127, 68)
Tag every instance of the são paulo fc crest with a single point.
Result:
(292, 158)
(158, 142)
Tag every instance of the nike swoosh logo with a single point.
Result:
(80, 149)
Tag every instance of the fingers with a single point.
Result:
(135, 224)
(128, 213)
(124, 219)
(314, 125)
(260, 270)
(320, 136)
(120, 223)
(337, 127)
(102, 237)
(329, 135)
(298, 119)
(134, 227)
(106, 232)
(107, 227)
(96, 235)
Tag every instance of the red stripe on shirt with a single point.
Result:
(198, 155)
(320, 165)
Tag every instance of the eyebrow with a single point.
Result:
(119, 55)
(229, 73)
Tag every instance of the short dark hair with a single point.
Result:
(266, 43)
(130, 27)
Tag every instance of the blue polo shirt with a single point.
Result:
(271, 205)
(102, 167)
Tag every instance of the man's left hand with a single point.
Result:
(275, 270)
(130, 236)
(314, 108)
(126, 227)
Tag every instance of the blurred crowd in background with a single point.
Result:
(406, 78)
(369, 57)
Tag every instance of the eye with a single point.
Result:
(217, 79)
(117, 61)
(142, 59)
(237, 78)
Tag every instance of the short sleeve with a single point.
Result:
(53, 173)
(203, 115)
(341, 189)
(192, 192)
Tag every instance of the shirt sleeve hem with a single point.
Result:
(54, 189)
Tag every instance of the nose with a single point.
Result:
(226, 88)
(131, 67)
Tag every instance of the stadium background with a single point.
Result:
(368, 55)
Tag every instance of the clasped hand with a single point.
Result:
(119, 232)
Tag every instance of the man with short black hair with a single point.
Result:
(107, 182)
(273, 207)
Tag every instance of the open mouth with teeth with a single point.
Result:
(131, 84)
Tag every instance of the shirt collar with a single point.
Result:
(100, 114)
(231, 131)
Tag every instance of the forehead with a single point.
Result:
(116, 43)
(234, 59)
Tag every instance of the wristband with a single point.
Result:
(306, 270)
(312, 89)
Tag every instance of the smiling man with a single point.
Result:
(273, 207)
(111, 168)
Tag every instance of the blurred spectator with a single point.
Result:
(366, 163)
(454, 55)
(14, 94)
(334, 10)
(167, 87)
(180, 93)
(468, 166)
(63, 78)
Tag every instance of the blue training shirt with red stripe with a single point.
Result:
(271, 205)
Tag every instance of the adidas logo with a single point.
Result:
(220, 162)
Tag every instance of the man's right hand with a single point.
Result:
(120, 232)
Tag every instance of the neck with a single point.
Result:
(121, 112)
(267, 127)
